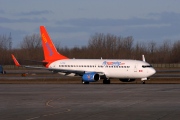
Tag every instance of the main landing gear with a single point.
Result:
(143, 82)
(85, 82)
(106, 81)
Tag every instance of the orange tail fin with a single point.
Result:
(50, 52)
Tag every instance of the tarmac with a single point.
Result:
(89, 102)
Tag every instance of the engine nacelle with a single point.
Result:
(91, 77)
(127, 80)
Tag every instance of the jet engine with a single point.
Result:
(91, 77)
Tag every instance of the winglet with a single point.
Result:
(15, 61)
(143, 58)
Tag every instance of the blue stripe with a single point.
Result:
(49, 49)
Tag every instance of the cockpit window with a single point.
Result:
(145, 66)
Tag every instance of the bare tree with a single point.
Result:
(31, 42)
(152, 47)
(165, 51)
(100, 45)
(176, 52)
(5, 42)
(31, 46)
(5, 47)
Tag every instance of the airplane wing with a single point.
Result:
(54, 70)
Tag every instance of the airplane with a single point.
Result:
(91, 70)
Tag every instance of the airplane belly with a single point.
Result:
(125, 73)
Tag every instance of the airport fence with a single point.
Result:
(166, 65)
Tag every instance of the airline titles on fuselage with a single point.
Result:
(107, 63)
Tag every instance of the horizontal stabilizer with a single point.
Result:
(37, 61)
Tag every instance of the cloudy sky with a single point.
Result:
(72, 22)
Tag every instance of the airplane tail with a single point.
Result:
(50, 52)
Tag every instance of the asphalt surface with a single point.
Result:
(55, 76)
(89, 102)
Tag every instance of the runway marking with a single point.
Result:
(48, 103)
(33, 118)
(50, 114)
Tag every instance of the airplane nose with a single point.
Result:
(152, 71)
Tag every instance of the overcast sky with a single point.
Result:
(72, 22)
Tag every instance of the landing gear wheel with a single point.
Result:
(3, 72)
(106, 81)
(143, 82)
(85, 82)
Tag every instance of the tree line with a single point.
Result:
(106, 46)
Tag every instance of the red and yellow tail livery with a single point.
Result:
(50, 52)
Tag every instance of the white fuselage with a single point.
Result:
(111, 68)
